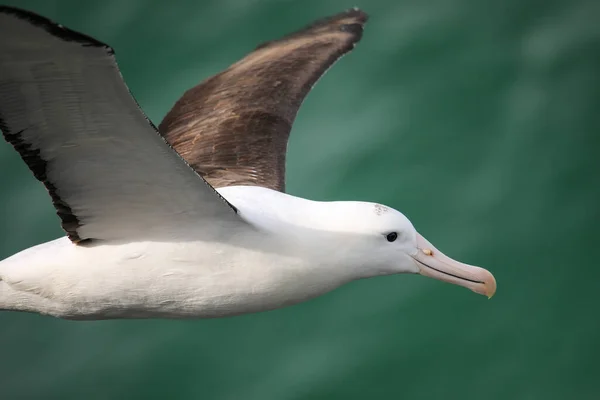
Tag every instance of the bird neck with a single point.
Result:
(275, 211)
(312, 230)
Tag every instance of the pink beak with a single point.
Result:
(435, 264)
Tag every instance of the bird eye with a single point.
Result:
(391, 236)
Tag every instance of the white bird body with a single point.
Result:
(274, 262)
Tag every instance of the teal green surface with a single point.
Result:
(478, 119)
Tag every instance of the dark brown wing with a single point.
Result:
(233, 128)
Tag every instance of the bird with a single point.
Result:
(190, 219)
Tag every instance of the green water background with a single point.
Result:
(478, 119)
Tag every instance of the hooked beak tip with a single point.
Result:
(490, 285)
(486, 282)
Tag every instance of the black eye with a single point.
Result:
(391, 236)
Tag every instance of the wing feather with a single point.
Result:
(233, 128)
(66, 109)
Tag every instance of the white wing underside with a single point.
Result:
(65, 108)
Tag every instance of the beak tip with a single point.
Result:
(486, 285)
(490, 285)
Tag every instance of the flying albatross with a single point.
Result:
(190, 220)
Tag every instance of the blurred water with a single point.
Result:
(479, 120)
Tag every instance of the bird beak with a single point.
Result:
(435, 264)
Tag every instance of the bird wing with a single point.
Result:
(65, 108)
(233, 128)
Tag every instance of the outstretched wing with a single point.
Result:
(66, 110)
(233, 128)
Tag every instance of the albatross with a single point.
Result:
(190, 220)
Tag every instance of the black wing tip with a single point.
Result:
(339, 21)
(355, 29)
(352, 20)
(354, 12)
(53, 28)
